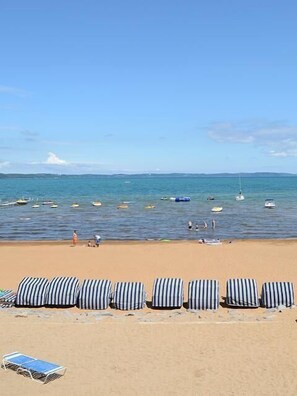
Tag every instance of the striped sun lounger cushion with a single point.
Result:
(129, 295)
(7, 298)
(275, 294)
(242, 293)
(62, 291)
(32, 292)
(94, 294)
(204, 294)
(168, 293)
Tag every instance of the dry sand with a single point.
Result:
(153, 352)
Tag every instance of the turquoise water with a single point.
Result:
(168, 220)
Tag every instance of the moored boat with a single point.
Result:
(75, 205)
(216, 209)
(22, 201)
(269, 203)
(182, 199)
(96, 203)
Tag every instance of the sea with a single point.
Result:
(164, 220)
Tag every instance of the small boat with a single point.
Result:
(269, 203)
(22, 201)
(149, 207)
(96, 203)
(35, 206)
(210, 198)
(182, 199)
(8, 203)
(47, 202)
(75, 205)
(216, 209)
(239, 197)
(54, 206)
(164, 198)
(123, 206)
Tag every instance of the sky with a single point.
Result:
(155, 86)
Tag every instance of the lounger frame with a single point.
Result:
(24, 364)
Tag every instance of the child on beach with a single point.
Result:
(74, 238)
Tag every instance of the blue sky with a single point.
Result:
(148, 86)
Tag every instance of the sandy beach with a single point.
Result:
(154, 352)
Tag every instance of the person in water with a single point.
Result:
(197, 227)
(213, 224)
(205, 224)
(190, 225)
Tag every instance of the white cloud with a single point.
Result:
(53, 159)
(13, 91)
(3, 164)
(278, 139)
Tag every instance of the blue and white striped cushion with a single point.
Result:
(277, 293)
(94, 294)
(242, 293)
(32, 292)
(63, 291)
(168, 293)
(129, 295)
(204, 294)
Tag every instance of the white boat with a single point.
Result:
(8, 203)
(35, 206)
(240, 196)
(269, 203)
(123, 206)
(217, 209)
(75, 205)
(22, 201)
(96, 203)
(54, 206)
(47, 202)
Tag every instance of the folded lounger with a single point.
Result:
(129, 295)
(204, 294)
(38, 370)
(168, 293)
(62, 291)
(7, 298)
(32, 292)
(94, 294)
(275, 294)
(242, 293)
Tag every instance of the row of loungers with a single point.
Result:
(167, 293)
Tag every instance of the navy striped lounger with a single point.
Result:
(168, 293)
(275, 294)
(94, 294)
(242, 293)
(32, 292)
(129, 295)
(62, 291)
(203, 294)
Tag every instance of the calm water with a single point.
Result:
(168, 220)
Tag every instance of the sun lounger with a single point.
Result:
(94, 294)
(7, 298)
(168, 293)
(32, 292)
(275, 294)
(129, 295)
(242, 293)
(203, 294)
(38, 370)
(62, 291)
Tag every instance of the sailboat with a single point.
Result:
(240, 196)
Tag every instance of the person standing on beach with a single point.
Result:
(74, 238)
(97, 240)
